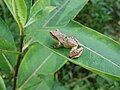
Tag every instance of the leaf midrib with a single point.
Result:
(100, 55)
(9, 51)
(55, 14)
(8, 63)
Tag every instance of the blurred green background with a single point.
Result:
(100, 15)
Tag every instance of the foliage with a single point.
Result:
(103, 16)
(33, 62)
(73, 77)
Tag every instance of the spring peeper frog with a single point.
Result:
(67, 42)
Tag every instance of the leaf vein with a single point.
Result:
(100, 55)
(8, 63)
(36, 70)
(55, 13)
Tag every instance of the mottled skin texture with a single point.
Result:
(67, 42)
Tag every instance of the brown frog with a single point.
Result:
(67, 42)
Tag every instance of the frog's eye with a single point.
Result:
(66, 37)
(57, 30)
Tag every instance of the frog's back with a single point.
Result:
(70, 42)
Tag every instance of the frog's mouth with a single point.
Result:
(53, 36)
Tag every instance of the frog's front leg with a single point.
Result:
(75, 52)
(58, 45)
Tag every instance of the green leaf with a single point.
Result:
(2, 85)
(7, 48)
(38, 10)
(38, 6)
(100, 55)
(29, 5)
(43, 84)
(62, 13)
(4, 32)
(9, 5)
(20, 11)
(58, 86)
(38, 67)
(39, 15)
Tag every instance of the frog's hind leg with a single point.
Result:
(76, 53)
(74, 48)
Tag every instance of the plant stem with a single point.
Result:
(18, 59)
